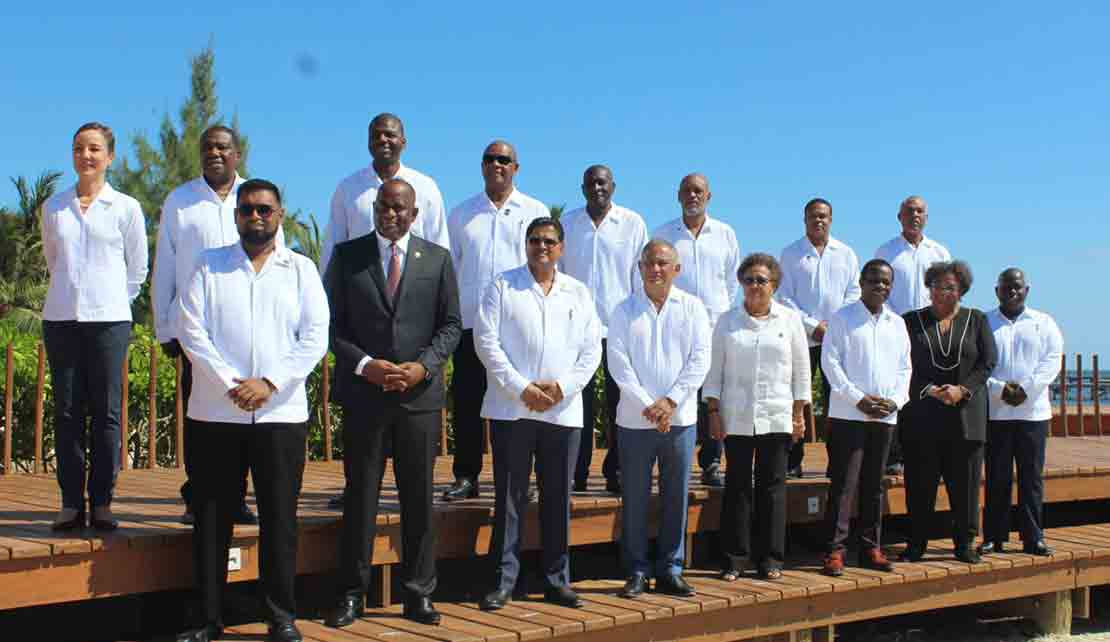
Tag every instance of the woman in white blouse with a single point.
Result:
(94, 239)
(758, 384)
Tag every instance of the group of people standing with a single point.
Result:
(696, 342)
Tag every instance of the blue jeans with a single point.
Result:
(86, 371)
(639, 451)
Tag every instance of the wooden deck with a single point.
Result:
(151, 550)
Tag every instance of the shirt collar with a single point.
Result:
(402, 244)
(1025, 315)
(925, 241)
(107, 193)
(402, 172)
(281, 257)
(209, 193)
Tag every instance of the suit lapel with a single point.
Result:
(413, 263)
(375, 269)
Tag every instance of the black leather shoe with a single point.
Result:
(77, 523)
(896, 470)
(202, 634)
(336, 503)
(1038, 548)
(913, 553)
(634, 587)
(345, 613)
(712, 476)
(495, 600)
(420, 609)
(673, 585)
(986, 548)
(563, 596)
(795, 472)
(284, 632)
(463, 488)
(580, 487)
(613, 486)
(246, 516)
(967, 554)
(104, 523)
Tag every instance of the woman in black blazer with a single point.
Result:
(944, 425)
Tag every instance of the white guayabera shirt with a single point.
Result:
(709, 262)
(817, 285)
(908, 291)
(1029, 351)
(866, 354)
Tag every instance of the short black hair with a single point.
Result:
(221, 128)
(761, 259)
(545, 221)
(874, 263)
(960, 269)
(258, 185)
(386, 117)
(817, 201)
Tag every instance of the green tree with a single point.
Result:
(557, 210)
(23, 275)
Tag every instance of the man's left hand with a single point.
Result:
(251, 393)
(818, 333)
(410, 375)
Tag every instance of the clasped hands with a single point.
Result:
(393, 377)
(947, 394)
(717, 428)
(1013, 394)
(541, 396)
(250, 394)
(660, 413)
(876, 407)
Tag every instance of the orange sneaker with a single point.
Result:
(834, 564)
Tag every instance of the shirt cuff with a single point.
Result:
(362, 364)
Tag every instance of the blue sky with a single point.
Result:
(996, 112)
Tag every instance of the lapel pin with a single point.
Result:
(416, 254)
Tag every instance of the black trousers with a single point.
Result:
(276, 454)
(468, 385)
(86, 371)
(754, 525)
(555, 449)
(612, 465)
(1008, 442)
(413, 436)
(944, 452)
(857, 458)
(798, 449)
(187, 436)
(709, 449)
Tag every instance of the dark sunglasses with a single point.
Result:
(264, 211)
(540, 240)
(500, 159)
(755, 280)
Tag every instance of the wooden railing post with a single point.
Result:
(152, 405)
(1096, 392)
(124, 421)
(179, 415)
(40, 392)
(325, 397)
(1064, 393)
(443, 431)
(1079, 390)
(9, 399)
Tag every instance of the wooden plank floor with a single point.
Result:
(53, 567)
(802, 599)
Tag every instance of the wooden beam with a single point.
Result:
(9, 398)
(152, 409)
(179, 413)
(40, 392)
(124, 424)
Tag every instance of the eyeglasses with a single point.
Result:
(500, 159)
(755, 280)
(264, 211)
(541, 240)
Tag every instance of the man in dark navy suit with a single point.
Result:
(394, 323)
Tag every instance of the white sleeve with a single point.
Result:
(800, 377)
(589, 353)
(1048, 367)
(336, 230)
(715, 380)
(833, 349)
(312, 332)
(487, 341)
(620, 363)
(135, 253)
(164, 283)
(195, 339)
(434, 222)
(694, 370)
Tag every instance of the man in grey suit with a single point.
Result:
(394, 323)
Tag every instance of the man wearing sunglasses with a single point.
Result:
(710, 258)
(487, 235)
(603, 244)
(196, 216)
(539, 337)
(254, 321)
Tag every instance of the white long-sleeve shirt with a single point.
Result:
(352, 209)
(97, 259)
(486, 241)
(908, 291)
(194, 219)
(759, 368)
(1029, 352)
(236, 323)
(817, 285)
(866, 354)
(523, 336)
(659, 353)
(605, 257)
(709, 262)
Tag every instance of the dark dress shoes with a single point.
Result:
(101, 519)
(284, 632)
(874, 559)
(673, 585)
(795, 472)
(635, 586)
(968, 555)
(1038, 548)
(245, 516)
(895, 470)
(345, 613)
(202, 634)
(580, 487)
(495, 599)
(76, 522)
(463, 488)
(563, 596)
(913, 553)
(336, 503)
(420, 609)
(712, 476)
(613, 486)
(986, 548)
